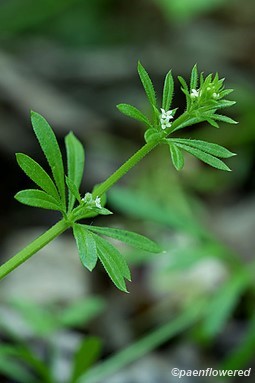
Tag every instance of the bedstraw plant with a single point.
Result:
(204, 97)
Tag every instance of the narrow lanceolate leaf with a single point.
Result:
(183, 83)
(222, 118)
(185, 90)
(212, 122)
(168, 91)
(37, 174)
(133, 112)
(201, 79)
(191, 121)
(226, 92)
(49, 145)
(225, 103)
(38, 198)
(113, 262)
(194, 77)
(73, 189)
(75, 165)
(221, 306)
(129, 237)
(205, 157)
(176, 156)
(86, 246)
(207, 147)
(85, 356)
(147, 84)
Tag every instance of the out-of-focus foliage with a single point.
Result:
(185, 10)
(22, 362)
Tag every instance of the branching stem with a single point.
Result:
(33, 247)
(64, 224)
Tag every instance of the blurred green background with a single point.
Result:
(193, 305)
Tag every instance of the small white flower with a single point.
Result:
(165, 118)
(98, 202)
(194, 93)
(90, 202)
(88, 198)
(166, 115)
(165, 125)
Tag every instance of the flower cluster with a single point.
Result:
(165, 118)
(209, 90)
(195, 93)
(90, 202)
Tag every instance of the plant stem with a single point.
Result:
(64, 224)
(33, 247)
(132, 161)
(121, 171)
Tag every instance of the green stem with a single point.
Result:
(120, 172)
(33, 247)
(64, 224)
(138, 156)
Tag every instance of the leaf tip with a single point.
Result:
(33, 114)
(16, 196)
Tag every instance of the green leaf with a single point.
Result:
(201, 79)
(185, 90)
(86, 355)
(133, 239)
(225, 103)
(168, 91)
(205, 157)
(189, 122)
(244, 352)
(207, 81)
(12, 368)
(86, 246)
(113, 262)
(226, 92)
(194, 78)
(81, 312)
(223, 303)
(183, 83)
(151, 341)
(38, 198)
(40, 320)
(176, 156)
(212, 122)
(141, 206)
(207, 147)
(73, 190)
(37, 174)
(33, 361)
(102, 211)
(152, 135)
(75, 166)
(147, 84)
(49, 145)
(220, 117)
(133, 112)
